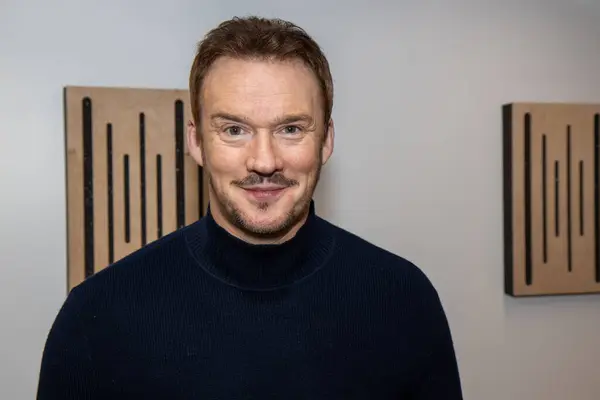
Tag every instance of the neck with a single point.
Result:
(261, 266)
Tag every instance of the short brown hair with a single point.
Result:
(255, 37)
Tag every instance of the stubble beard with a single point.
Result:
(242, 221)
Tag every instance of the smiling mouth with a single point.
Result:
(266, 192)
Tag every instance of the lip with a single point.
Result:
(265, 193)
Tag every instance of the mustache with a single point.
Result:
(275, 179)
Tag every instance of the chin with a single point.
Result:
(264, 224)
(265, 217)
(264, 214)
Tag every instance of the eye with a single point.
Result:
(233, 131)
(290, 130)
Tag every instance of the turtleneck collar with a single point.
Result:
(260, 266)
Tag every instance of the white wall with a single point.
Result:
(417, 165)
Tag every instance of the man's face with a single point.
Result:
(263, 142)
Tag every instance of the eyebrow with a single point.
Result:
(286, 119)
(230, 117)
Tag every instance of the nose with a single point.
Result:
(263, 159)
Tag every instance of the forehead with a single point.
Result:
(260, 89)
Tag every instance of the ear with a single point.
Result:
(327, 147)
(194, 143)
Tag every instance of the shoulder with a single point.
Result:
(370, 260)
(388, 281)
(134, 282)
(150, 263)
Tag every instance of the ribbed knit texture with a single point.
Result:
(200, 314)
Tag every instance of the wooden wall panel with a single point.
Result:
(551, 203)
(130, 178)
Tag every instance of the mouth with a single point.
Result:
(265, 193)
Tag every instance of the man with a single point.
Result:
(261, 298)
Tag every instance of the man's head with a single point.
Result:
(261, 95)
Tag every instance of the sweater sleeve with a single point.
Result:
(67, 369)
(439, 376)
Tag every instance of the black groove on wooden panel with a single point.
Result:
(556, 198)
(568, 183)
(179, 163)
(110, 194)
(507, 187)
(581, 194)
(142, 127)
(544, 202)
(126, 198)
(159, 205)
(528, 233)
(88, 185)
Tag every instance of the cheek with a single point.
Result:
(303, 162)
(225, 164)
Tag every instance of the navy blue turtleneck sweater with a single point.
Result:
(200, 314)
